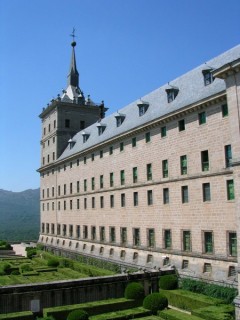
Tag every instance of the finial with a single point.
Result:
(73, 44)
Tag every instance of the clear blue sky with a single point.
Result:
(125, 49)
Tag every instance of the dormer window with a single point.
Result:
(207, 76)
(119, 119)
(142, 106)
(85, 136)
(71, 143)
(101, 127)
(171, 94)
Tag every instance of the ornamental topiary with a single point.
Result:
(135, 291)
(78, 315)
(168, 282)
(155, 302)
(53, 262)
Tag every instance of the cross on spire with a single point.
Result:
(73, 34)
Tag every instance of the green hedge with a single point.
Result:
(188, 300)
(92, 308)
(212, 290)
(134, 290)
(168, 282)
(176, 315)
(78, 315)
(155, 302)
(220, 312)
(123, 315)
(25, 315)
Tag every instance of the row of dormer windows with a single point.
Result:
(82, 232)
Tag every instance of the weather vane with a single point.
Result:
(73, 34)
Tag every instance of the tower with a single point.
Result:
(66, 115)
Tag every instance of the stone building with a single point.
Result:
(153, 184)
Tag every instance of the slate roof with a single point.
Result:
(191, 89)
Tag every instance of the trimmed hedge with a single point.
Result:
(53, 262)
(124, 314)
(93, 308)
(25, 315)
(168, 282)
(176, 315)
(46, 318)
(78, 315)
(155, 302)
(212, 290)
(135, 291)
(220, 312)
(188, 300)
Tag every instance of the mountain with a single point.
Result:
(19, 215)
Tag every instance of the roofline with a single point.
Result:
(227, 69)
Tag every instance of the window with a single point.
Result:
(232, 271)
(101, 181)
(78, 204)
(48, 192)
(181, 125)
(142, 107)
(230, 190)
(78, 162)
(48, 158)
(163, 132)
(101, 129)
(77, 231)
(111, 200)
(53, 139)
(49, 127)
(92, 156)
(202, 118)
(70, 188)
(135, 175)
(64, 229)
(44, 131)
(85, 136)
(43, 227)
(184, 194)
(183, 164)
(205, 160)
(121, 146)
(206, 192)
(85, 203)
(67, 123)
(185, 264)
(43, 193)
(59, 205)
(111, 150)
(93, 202)
(70, 204)
(208, 242)
(85, 232)
(149, 171)
(186, 240)
(150, 197)
(150, 238)
(101, 153)
(64, 205)
(111, 179)
(85, 184)
(78, 186)
(82, 125)
(85, 160)
(53, 155)
(123, 200)
(122, 177)
(147, 137)
(136, 237)
(228, 155)
(165, 195)
(224, 110)
(71, 165)
(52, 228)
(93, 233)
(171, 94)
(135, 199)
(165, 168)
(101, 202)
(112, 235)
(134, 142)
(119, 119)
(167, 239)
(102, 233)
(123, 235)
(232, 243)
(207, 77)
(93, 183)
(207, 267)
(70, 230)
(58, 229)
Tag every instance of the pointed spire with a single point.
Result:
(73, 77)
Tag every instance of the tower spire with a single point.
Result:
(73, 77)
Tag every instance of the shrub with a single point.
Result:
(6, 268)
(15, 272)
(26, 267)
(78, 315)
(66, 263)
(155, 302)
(212, 290)
(135, 291)
(31, 251)
(168, 282)
(53, 262)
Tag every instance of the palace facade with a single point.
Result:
(154, 184)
